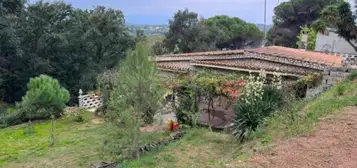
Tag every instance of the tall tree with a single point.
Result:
(182, 31)
(235, 33)
(341, 20)
(11, 54)
(72, 45)
(135, 99)
(291, 16)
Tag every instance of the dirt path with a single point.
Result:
(332, 145)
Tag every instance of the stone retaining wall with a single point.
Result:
(331, 76)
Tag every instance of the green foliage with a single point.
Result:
(311, 41)
(341, 89)
(135, 98)
(341, 18)
(188, 33)
(77, 117)
(72, 45)
(44, 98)
(311, 80)
(235, 33)
(352, 76)
(187, 110)
(290, 16)
(249, 116)
(44, 93)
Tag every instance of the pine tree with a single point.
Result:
(135, 98)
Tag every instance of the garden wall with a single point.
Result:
(331, 76)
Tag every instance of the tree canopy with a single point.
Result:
(291, 16)
(53, 38)
(340, 19)
(189, 33)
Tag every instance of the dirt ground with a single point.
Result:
(332, 145)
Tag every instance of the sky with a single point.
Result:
(160, 11)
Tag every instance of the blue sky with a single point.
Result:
(160, 11)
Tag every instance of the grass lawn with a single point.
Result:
(198, 148)
(76, 144)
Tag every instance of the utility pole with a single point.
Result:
(265, 22)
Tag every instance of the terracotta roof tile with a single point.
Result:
(299, 54)
(255, 64)
(208, 53)
(176, 65)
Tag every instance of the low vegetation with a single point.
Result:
(198, 148)
(78, 144)
(301, 116)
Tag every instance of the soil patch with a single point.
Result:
(332, 145)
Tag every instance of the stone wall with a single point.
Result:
(331, 76)
(349, 60)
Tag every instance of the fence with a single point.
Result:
(89, 101)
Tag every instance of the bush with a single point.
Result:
(341, 88)
(250, 115)
(78, 118)
(187, 110)
(352, 76)
(43, 99)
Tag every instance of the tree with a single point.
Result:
(188, 33)
(140, 36)
(291, 15)
(71, 45)
(235, 33)
(182, 29)
(136, 97)
(44, 99)
(341, 20)
(44, 93)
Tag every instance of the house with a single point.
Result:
(291, 63)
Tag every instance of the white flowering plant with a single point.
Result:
(257, 101)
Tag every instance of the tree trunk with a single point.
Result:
(352, 45)
(52, 143)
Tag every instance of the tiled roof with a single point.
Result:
(208, 53)
(299, 54)
(175, 65)
(254, 64)
(238, 59)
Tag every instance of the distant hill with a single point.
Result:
(159, 30)
(149, 30)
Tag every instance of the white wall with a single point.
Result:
(333, 43)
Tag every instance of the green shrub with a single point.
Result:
(43, 99)
(340, 89)
(352, 76)
(249, 116)
(78, 118)
(187, 110)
